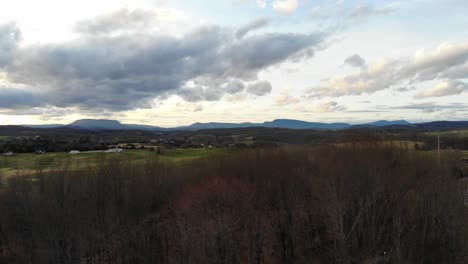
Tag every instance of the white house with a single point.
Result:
(73, 152)
(9, 153)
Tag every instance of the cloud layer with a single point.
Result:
(9, 38)
(128, 71)
(447, 63)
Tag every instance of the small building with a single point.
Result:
(73, 152)
(9, 153)
(38, 151)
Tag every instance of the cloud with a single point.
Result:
(239, 97)
(254, 25)
(315, 11)
(11, 98)
(443, 63)
(444, 89)
(234, 87)
(121, 19)
(285, 99)
(285, 6)
(10, 35)
(123, 72)
(364, 11)
(338, 16)
(259, 51)
(429, 107)
(200, 93)
(125, 20)
(189, 107)
(355, 61)
(259, 88)
(328, 107)
(261, 3)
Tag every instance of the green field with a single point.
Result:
(453, 133)
(465, 154)
(3, 138)
(26, 164)
(180, 155)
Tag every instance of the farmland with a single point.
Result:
(27, 163)
(452, 133)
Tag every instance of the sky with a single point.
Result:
(176, 62)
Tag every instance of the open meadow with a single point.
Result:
(452, 133)
(29, 163)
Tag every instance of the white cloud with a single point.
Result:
(286, 99)
(444, 88)
(125, 20)
(444, 63)
(363, 11)
(189, 107)
(261, 3)
(315, 11)
(286, 6)
(328, 107)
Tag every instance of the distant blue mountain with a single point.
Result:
(103, 124)
(98, 124)
(278, 123)
(441, 125)
(44, 126)
(298, 124)
(382, 123)
(215, 125)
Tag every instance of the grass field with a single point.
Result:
(3, 138)
(453, 133)
(181, 155)
(24, 164)
(465, 154)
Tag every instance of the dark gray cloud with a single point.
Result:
(254, 25)
(355, 61)
(234, 86)
(259, 88)
(200, 93)
(258, 52)
(129, 71)
(11, 98)
(10, 35)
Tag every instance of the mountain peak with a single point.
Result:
(97, 124)
(389, 123)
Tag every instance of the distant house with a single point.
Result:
(40, 151)
(114, 150)
(9, 153)
(73, 152)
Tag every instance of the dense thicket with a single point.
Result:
(361, 203)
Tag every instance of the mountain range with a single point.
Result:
(103, 124)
